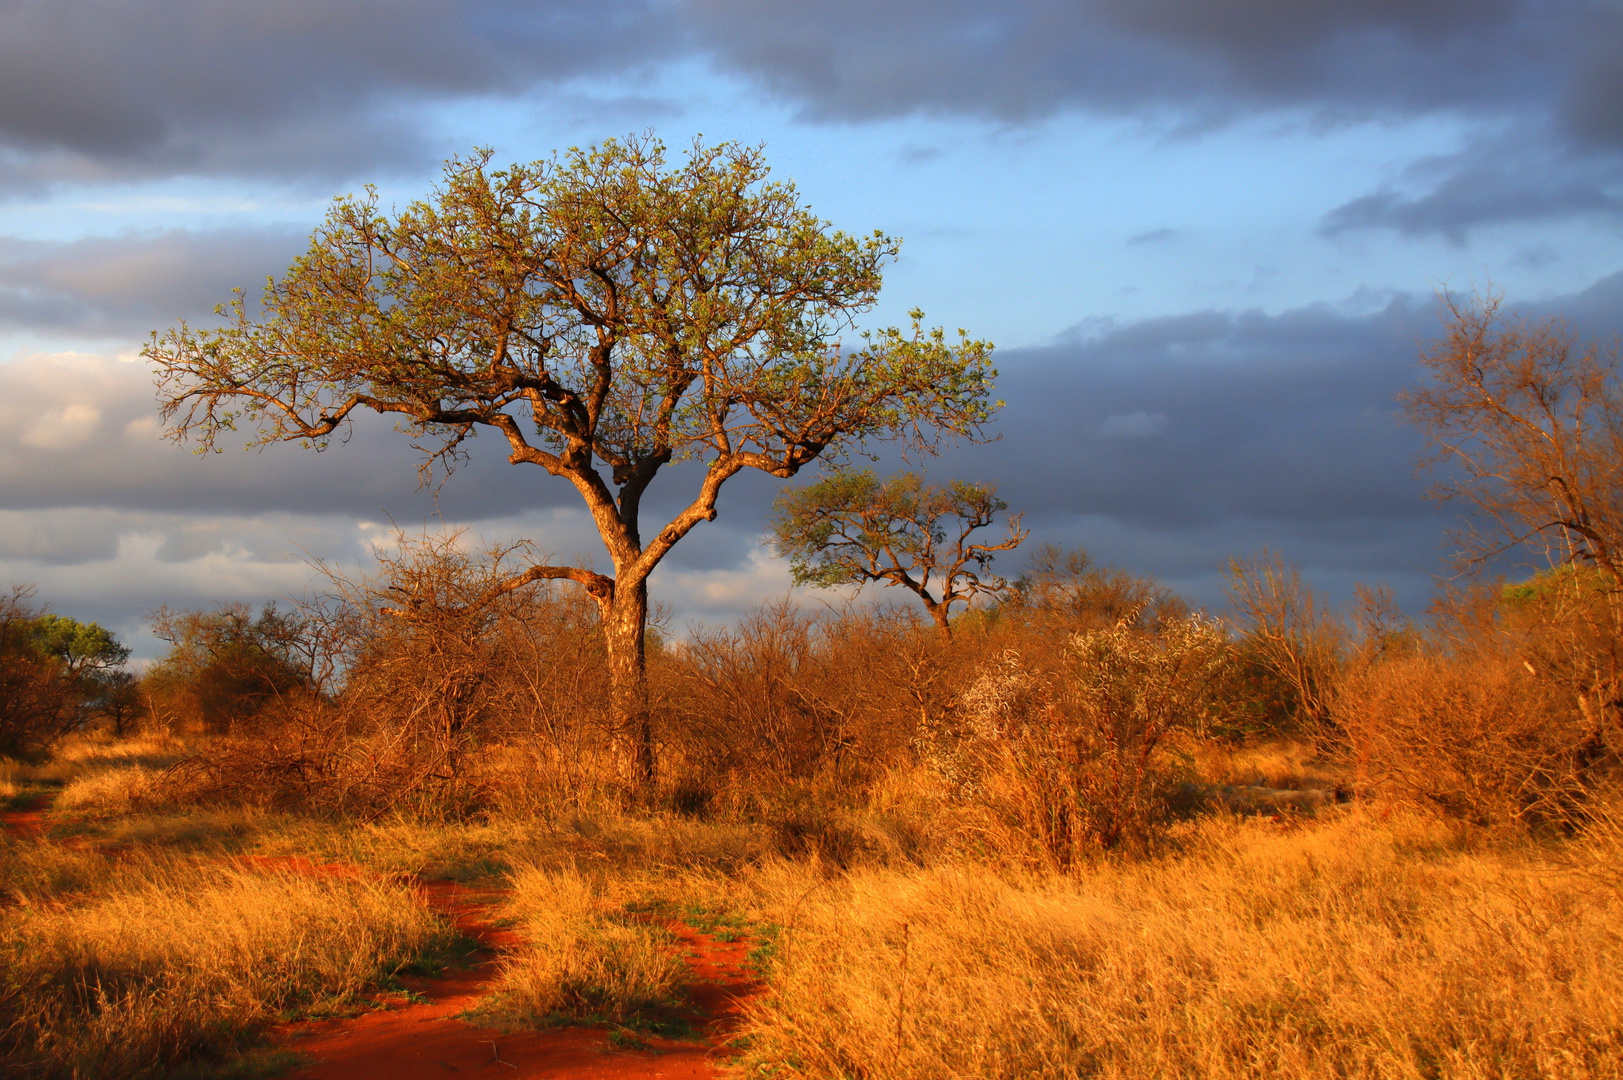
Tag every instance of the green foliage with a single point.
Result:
(53, 672)
(82, 647)
(852, 527)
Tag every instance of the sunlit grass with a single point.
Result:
(1348, 948)
(114, 969)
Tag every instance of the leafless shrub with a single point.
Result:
(1479, 738)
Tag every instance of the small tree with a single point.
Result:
(1288, 631)
(226, 666)
(602, 315)
(852, 527)
(1064, 590)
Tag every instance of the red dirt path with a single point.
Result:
(27, 822)
(426, 1039)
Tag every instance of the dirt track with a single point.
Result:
(426, 1038)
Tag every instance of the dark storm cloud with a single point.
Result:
(1541, 79)
(126, 286)
(201, 83)
(1017, 60)
(278, 86)
(1182, 421)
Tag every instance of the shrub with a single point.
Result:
(1480, 738)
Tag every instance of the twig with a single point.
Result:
(901, 995)
(495, 1055)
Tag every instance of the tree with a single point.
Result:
(1530, 420)
(605, 317)
(852, 527)
(53, 672)
(85, 649)
(1063, 590)
(226, 666)
(1288, 631)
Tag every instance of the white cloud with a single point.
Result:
(64, 428)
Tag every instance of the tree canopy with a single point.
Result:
(852, 527)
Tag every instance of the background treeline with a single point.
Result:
(1082, 712)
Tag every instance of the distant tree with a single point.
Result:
(226, 666)
(1064, 588)
(1288, 631)
(36, 702)
(602, 315)
(53, 671)
(85, 649)
(853, 527)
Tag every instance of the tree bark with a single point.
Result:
(625, 618)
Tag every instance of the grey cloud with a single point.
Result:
(114, 88)
(1016, 60)
(1508, 178)
(1155, 236)
(126, 286)
(1279, 430)
(283, 85)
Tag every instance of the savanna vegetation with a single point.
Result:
(1069, 827)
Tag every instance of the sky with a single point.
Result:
(1206, 236)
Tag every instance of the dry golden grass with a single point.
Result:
(583, 957)
(110, 791)
(1292, 764)
(1344, 949)
(169, 958)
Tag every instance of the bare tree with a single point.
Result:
(1288, 630)
(604, 316)
(1530, 419)
(852, 527)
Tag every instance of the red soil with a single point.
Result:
(27, 822)
(427, 1039)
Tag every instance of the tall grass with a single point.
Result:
(1350, 949)
(582, 957)
(171, 958)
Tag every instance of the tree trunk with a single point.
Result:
(625, 619)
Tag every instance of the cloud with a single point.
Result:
(1027, 58)
(1133, 425)
(280, 87)
(129, 285)
(1231, 430)
(1514, 177)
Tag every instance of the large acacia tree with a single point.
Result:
(605, 315)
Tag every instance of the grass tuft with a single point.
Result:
(584, 959)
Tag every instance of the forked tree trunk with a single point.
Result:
(625, 620)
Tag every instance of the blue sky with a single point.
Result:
(1206, 238)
